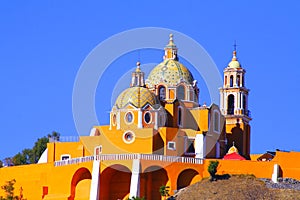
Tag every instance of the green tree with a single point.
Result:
(212, 169)
(1, 163)
(29, 156)
(39, 147)
(22, 158)
(9, 190)
(164, 191)
(54, 135)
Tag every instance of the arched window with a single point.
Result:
(243, 81)
(225, 81)
(238, 80)
(230, 104)
(147, 117)
(231, 81)
(180, 92)
(162, 93)
(216, 121)
(179, 116)
(129, 117)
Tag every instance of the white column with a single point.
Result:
(140, 119)
(135, 179)
(222, 101)
(242, 103)
(225, 103)
(236, 102)
(95, 183)
(239, 100)
(200, 146)
(275, 173)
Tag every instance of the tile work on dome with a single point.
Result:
(136, 96)
(169, 72)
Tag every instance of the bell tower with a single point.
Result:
(234, 106)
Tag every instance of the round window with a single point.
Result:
(128, 137)
(147, 117)
(129, 117)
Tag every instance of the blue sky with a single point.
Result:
(43, 44)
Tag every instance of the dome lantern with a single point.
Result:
(171, 49)
(137, 77)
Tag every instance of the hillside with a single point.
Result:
(236, 187)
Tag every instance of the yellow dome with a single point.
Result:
(232, 149)
(234, 63)
(136, 96)
(169, 72)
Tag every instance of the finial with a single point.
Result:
(138, 64)
(234, 51)
(171, 41)
(233, 143)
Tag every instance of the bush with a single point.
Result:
(212, 169)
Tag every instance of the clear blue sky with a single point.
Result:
(43, 44)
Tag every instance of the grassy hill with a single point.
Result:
(236, 187)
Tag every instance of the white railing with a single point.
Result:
(153, 157)
(74, 161)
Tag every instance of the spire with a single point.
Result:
(234, 63)
(171, 41)
(234, 58)
(171, 49)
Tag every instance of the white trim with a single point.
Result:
(200, 146)
(140, 120)
(125, 117)
(100, 150)
(170, 143)
(128, 141)
(135, 179)
(118, 120)
(94, 189)
(150, 117)
(65, 155)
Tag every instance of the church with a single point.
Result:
(158, 135)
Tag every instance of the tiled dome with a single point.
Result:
(169, 72)
(136, 96)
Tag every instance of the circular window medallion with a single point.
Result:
(128, 137)
(147, 117)
(129, 117)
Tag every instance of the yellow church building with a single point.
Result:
(158, 135)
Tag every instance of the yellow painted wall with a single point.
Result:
(32, 178)
(77, 150)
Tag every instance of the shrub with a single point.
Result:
(212, 169)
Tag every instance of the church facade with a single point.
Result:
(158, 135)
